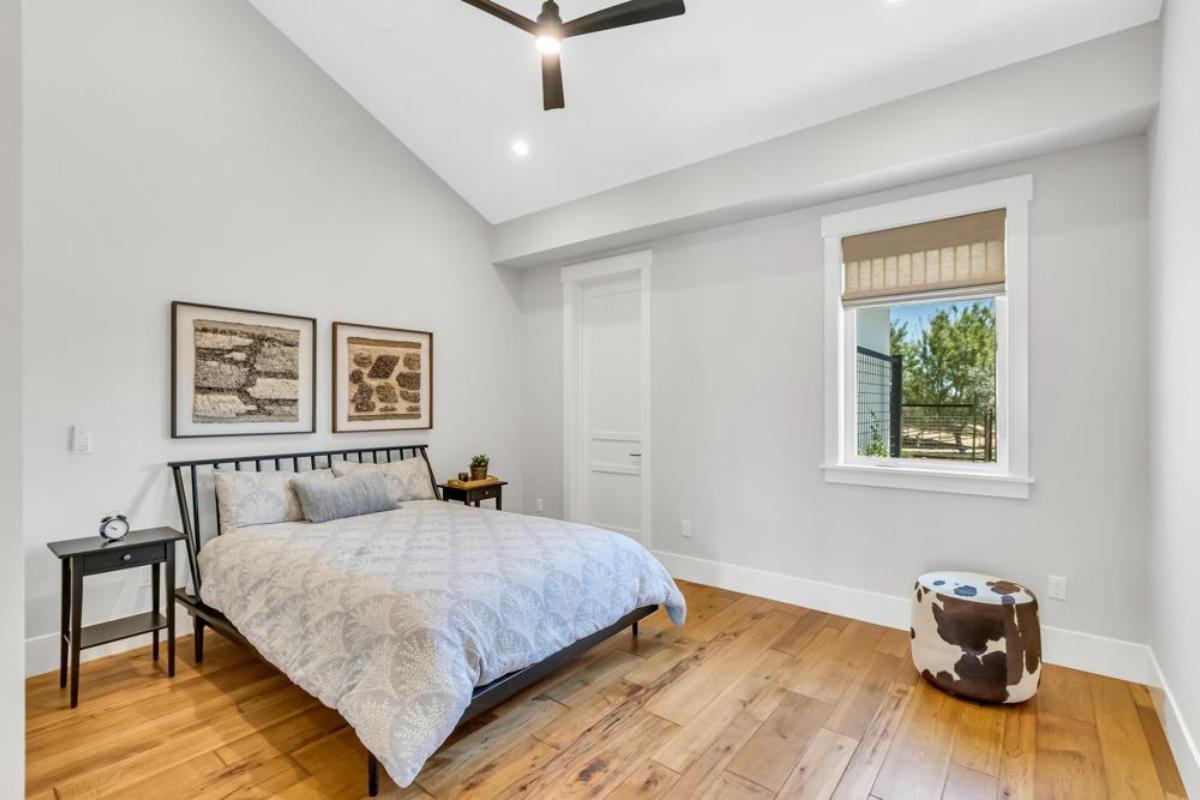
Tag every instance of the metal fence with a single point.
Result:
(956, 431)
(879, 384)
(887, 427)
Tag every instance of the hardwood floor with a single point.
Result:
(752, 699)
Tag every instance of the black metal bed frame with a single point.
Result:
(187, 493)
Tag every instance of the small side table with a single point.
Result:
(94, 555)
(474, 494)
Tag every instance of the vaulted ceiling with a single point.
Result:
(459, 87)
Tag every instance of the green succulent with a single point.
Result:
(480, 460)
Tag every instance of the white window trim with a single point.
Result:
(1010, 476)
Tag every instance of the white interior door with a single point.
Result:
(610, 413)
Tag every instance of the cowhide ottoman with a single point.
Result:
(977, 636)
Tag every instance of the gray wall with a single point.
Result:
(738, 397)
(1175, 432)
(186, 150)
(12, 694)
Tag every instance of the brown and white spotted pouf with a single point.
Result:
(977, 636)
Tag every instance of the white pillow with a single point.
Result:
(409, 477)
(260, 498)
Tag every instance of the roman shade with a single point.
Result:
(939, 257)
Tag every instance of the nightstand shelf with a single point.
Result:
(117, 629)
(94, 555)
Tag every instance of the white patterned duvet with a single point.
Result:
(394, 618)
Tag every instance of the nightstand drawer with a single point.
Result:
(124, 558)
(486, 493)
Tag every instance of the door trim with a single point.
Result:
(575, 279)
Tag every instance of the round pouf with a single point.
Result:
(977, 636)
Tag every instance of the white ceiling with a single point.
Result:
(458, 86)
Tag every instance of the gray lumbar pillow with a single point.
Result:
(350, 496)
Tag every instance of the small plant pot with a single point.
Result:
(479, 473)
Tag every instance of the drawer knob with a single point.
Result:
(127, 556)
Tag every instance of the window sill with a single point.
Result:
(930, 480)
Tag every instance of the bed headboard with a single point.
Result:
(189, 475)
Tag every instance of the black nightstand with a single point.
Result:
(466, 493)
(93, 555)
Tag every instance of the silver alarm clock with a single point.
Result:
(114, 528)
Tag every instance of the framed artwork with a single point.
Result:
(236, 372)
(382, 378)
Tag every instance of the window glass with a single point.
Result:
(926, 375)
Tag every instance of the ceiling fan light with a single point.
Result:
(549, 45)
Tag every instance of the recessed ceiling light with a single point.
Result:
(520, 147)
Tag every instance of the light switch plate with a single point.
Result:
(81, 440)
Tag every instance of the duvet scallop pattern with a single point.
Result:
(394, 618)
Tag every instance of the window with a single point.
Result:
(926, 319)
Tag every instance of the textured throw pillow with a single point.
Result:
(351, 496)
(260, 498)
(409, 477)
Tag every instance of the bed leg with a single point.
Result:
(635, 630)
(198, 637)
(372, 775)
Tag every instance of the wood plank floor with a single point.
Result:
(752, 699)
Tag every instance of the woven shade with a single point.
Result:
(947, 254)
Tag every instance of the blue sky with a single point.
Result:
(915, 314)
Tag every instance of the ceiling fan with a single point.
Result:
(550, 30)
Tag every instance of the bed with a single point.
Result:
(410, 621)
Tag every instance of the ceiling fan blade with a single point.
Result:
(511, 17)
(622, 14)
(552, 82)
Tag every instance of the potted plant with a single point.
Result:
(479, 467)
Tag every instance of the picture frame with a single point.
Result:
(382, 378)
(239, 372)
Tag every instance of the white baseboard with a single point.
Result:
(881, 609)
(1183, 745)
(41, 652)
(1088, 652)
(1084, 651)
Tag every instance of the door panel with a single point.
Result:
(615, 501)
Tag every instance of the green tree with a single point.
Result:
(904, 347)
(953, 360)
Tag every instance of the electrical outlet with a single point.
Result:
(539, 506)
(685, 528)
(1057, 588)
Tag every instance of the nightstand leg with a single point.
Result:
(154, 588)
(65, 623)
(76, 628)
(171, 610)
(499, 503)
